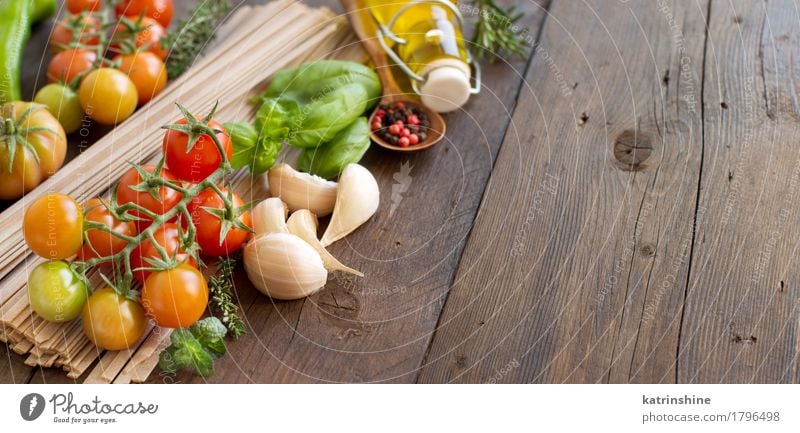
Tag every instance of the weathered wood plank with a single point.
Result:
(378, 328)
(575, 270)
(741, 321)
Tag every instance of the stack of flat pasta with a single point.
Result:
(254, 43)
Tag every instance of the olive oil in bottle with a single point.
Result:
(433, 50)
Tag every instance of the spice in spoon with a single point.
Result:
(400, 125)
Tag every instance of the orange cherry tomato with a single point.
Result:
(147, 72)
(175, 298)
(53, 226)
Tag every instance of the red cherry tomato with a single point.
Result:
(67, 65)
(105, 244)
(204, 158)
(77, 6)
(159, 10)
(167, 237)
(167, 197)
(87, 26)
(209, 226)
(151, 36)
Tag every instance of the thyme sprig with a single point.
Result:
(222, 304)
(497, 31)
(190, 36)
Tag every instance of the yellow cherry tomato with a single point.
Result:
(108, 96)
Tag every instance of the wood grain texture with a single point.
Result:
(741, 322)
(624, 213)
(576, 267)
(377, 329)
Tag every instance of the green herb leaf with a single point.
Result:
(348, 147)
(195, 347)
(244, 136)
(221, 303)
(210, 332)
(310, 104)
(188, 39)
(497, 31)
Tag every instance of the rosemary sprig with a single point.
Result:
(222, 304)
(497, 31)
(188, 39)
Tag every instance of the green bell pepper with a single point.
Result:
(16, 17)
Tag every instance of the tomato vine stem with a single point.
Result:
(135, 212)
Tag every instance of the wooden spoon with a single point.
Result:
(391, 90)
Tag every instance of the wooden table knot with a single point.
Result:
(632, 150)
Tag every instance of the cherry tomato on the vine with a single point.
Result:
(105, 244)
(76, 6)
(204, 158)
(108, 96)
(112, 321)
(167, 237)
(87, 27)
(167, 197)
(209, 226)
(175, 298)
(147, 72)
(151, 36)
(55, 292)
(67, 65)
(159, 10)
(53, 226)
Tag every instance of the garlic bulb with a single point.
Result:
(269, 216)
(304, 224)
(283, 266)
(356, 201)
(302, 190)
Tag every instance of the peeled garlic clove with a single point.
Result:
(302, 190)
(304, 224)
(269, 216)
(356, 201)
(283, 266)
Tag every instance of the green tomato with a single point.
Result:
(63, 103)
(55, 292)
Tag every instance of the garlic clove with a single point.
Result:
(269, 216)
(356, 201)
(302, 190)
(304, 224)
(283, 266)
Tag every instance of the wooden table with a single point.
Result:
(621, 206)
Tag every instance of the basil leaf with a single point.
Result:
(313, 102)
(244, 137)
(348, 147)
